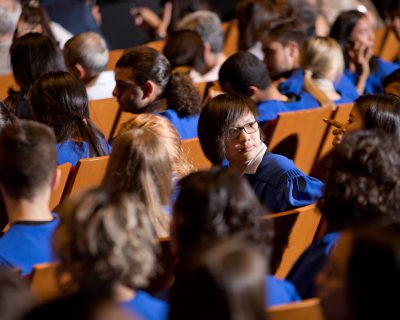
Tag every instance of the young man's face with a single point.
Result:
(277, 58)
(130, 95)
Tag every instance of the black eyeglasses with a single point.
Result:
(250, 127)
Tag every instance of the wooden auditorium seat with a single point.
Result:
(104, 113)
(309, 309)
(88, 173)
(56, 195)
(294, 231)
(298, 135)
(7, 81)
(192, 148)
(113, 57)
(231, 43)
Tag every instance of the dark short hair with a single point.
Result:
(216, 204)
(28, 158)
(391, 78)
(363, 182)
(242, 70)
(284, 31)
(373, 272)
(217, 117)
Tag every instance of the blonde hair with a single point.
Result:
(163, 128)
(106, 236)
(139, 163)
(320, 57)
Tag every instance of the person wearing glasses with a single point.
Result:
(228, 132)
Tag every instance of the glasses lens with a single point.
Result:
(251, 127)
(233, 133)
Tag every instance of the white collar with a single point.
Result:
(253, 164)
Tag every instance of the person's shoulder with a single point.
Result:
(278, 162)
(280, 291)
(386, 66)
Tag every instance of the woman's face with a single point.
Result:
(356, 121)
(243, 146)
(331, 282)
(363, 34)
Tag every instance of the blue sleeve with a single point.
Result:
(297, 190)
(279, 291)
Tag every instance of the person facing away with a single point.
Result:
(28, 174)
(229, 132)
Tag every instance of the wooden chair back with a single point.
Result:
(309, 309)
(56, 194)
(88, 173)
(298, 135)
(379, 40)
(156, 45)
(192, 148)
(7, 81)
(231, 44)
(390, 47)
(44, 284)
(103, 113)
(113, 57)
(121, 119)
(294, 230)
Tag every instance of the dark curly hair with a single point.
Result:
(178, 89)
(364, 181)
(214, 205)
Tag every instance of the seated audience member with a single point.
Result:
(353, 31)
(228, 130)
(184, 49)
(361, 279)
(32, 56)
(164, 129)
(391, 83)
(146, 83)
(15, 298)
(321, 59)
(86, 56)
(208, 25)
(106, 238)
(139, 164)
(281, 47)
(27, 175)
(252, 16)
(374, 111)
(34, 19)
(225, 281)
(362, 188)
(9, 14)
(244, 73)
(216, 205)
(59, 100)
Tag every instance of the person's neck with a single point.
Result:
(35, 209)
(213, 60)
(272, 93)
(238, 167)
(6, 38)
(123, 293)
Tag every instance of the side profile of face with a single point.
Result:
(331, 282)
(130, 95)
(393, 88)
(363, 33)
(356, 121)
(243, 148)
(278, 58)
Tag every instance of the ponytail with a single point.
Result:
(182, 96)
(315, 91)
(89, 133)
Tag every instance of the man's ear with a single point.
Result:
(293, 48)
(148, 89)
(55, 180)
(78, 70)
(252, 92)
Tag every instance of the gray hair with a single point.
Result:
(10, 10)
(88, 49)
(208, 25)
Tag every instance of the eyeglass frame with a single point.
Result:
(243, 128)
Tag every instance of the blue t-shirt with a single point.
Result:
(281, 186)
(374, 81)
(186, 126)
(279, 291)
(310, 263)
(72, 152)
(146, 307)
(27, 243)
